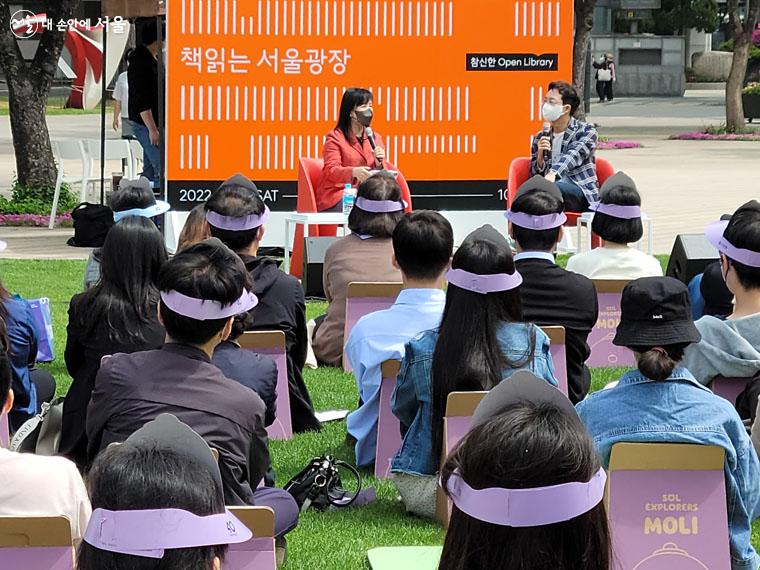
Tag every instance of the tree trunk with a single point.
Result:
(584, 22)
(734, 84)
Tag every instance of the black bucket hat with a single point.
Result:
(655, 311)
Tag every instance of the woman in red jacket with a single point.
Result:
(348, 153)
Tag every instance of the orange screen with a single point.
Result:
(255, 84)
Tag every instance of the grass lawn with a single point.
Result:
(56, 106)
(337, 540)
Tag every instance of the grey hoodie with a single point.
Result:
(728, 348)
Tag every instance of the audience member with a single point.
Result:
(550, 295)
(202, 289)
(660, 401)
(195, 229)
(422, 245)
(36, 485)
(251, 369)
(618, 222)
(564, 151)
(481, 340)
(121, 102)
(364, 255)
(158, 504)
(525, 444)
(117, 315)
(133, 198)
(236, 214)
(31, 386)
(709, 295)
(731, 347)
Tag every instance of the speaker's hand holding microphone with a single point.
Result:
(378, 150)
(545, 146)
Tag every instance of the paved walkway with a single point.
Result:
(684, 184)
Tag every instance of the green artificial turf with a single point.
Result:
(337, 540)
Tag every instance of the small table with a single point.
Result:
(586, 219)
(307, 219)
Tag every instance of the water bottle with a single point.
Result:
(349, 197)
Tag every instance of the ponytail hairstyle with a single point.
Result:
(658, 362)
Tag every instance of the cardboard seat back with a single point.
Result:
(36, 543)
(667, 507)
(558, 350)
(272, 344)
(729, 388)
(5, 433)
(388, 427)
(365, 298)
(459, 409)
(603, 352)
(257, 553)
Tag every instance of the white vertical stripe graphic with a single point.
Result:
(259, 20)
(292, 151)
(474, 144)
(359, 19)
(396, 103)
(319, 19)
(208, 17)
(198, 153)
(548, 18)
(414, 103)
(385, 18)
(467, 103)
(435, 19)
(192, 17)
(517, 18)
(253, 103)
(300, 146)
(293, 18)
(190, 152)
(451, 144)
(435, 138)
(218, 102)
(227, 103)
(271, 104)
(284, 17)
(533, 18)
(459, 101)
(205, 154)
(451, 19)
(388, 103)
(525, 19)
(200, 102)
(335, 102)
(226, 16)
(308, 104)
(282, 103)
(335, 18)
(182, 151)
(541, 18)
(459, 144)
(343, 18)
(368, 19)
(182, 99)
(409, 19)
(466, 144)
(300, 19)
(419, 19)
(234, 17)
(393, 17)
(440, 103)
(448, 99)
(327, 108)
(327, 19)
(309, 19)
(276, 17)
(237, 102)
(558, 15)
(184, 19)
(377, 18)
(427, 14)
(424, 102)
(209, 102)
(268, 153)
(406, 104)
(532, 103)
(250, 26)
(290, 103)
(317, 106)
(401, 16)
(442, 27)
(432, 103)
(263, 103)
(245, 103)
(260, 151)
(276, 162)
(252, 154)
(411, 144)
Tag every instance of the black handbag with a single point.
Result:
(319, 485)
(91, 224)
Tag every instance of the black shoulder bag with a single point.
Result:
(319, 485)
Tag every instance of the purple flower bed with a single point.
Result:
(617, 145)
(702, 136)
(35, 220)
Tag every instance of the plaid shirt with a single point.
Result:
(577, 162)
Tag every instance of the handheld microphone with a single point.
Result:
(547, 132)
(371, 138)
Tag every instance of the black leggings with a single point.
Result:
(604, 90)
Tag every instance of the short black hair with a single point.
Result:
(208, 270)
(536, 203)
(240, 324)
(235, 201)
(743, 231)
(131, 196)
(423, 242)
(149, 32)
(130, 477)
(569, 94)
(618, 230)
(381, 186)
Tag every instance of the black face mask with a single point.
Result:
(365, 117)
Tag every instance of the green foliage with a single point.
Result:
(754, 51)
(694, 77)
(676, 15)
(722, 129)
(751, 89)
(28, 200)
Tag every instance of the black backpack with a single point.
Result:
(91, 224)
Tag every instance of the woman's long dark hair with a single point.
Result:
(353, 97)
(4, 296)
(126, 297)
(467, 355)
(527, 445)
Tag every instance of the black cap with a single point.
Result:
(167, 432)
(618, 180)
(655, 311)
(539, 184)
(240, 181)
(522, 386)
(490, 234)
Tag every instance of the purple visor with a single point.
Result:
(617, 211)
(237, 224)
(527, 507)
(483, 283)
(714, 234)
(148, 533)
(530, 222)
(203, 310)
(380, 206)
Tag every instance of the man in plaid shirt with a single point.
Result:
(571, 144)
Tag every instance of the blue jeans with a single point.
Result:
(575, 199)
(151, 155)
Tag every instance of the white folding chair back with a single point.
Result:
(137, 157)
(69, 150)
(116, 149)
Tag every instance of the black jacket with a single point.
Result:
(553, 296)
(132, 389)
(142, 79)
(282, 307)
(257, 372)
(84, 350)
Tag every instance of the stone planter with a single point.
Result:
(751, 104)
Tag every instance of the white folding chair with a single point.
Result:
(116, 149)
(69, 150)
(137, 157)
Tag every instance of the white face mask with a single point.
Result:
(551, 112)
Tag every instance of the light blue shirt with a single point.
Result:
(378, 337)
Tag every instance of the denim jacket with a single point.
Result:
(680, 410)
(412, 399)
